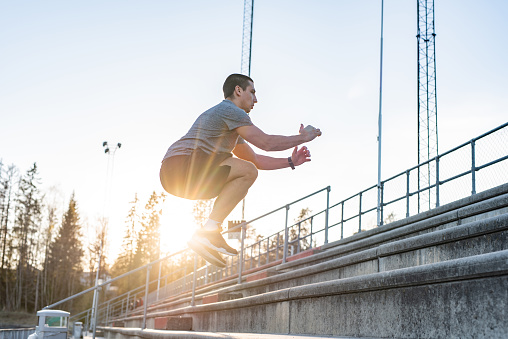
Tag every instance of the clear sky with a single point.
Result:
(76, 73)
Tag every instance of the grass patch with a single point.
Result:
(17, 319)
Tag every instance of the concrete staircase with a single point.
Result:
(438, 274)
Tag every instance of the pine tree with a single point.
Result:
(65, 254)
(51, 220)
(148, 241)
(125, 261)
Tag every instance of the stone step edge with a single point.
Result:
(161, 334)
(484, 265)
(473, 229)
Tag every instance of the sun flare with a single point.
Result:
(177, 224)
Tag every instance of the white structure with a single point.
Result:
(52, 324)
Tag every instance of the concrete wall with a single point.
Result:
(465, 298)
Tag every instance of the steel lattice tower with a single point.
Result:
(248, 19)
(248, 16)
(427, 104)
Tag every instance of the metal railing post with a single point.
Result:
(259, 253)
(145, 303)
(342, 221)
(184, 283)
(251, 255)
(87, 322)
(267, 250)
(194, 280)
(298, 249)
(240, 262)
(328, 188)
(128, 299)
(473, 168)
(360, 215)
(382, 202)
(311, 231)
(278, 246)
(286, 236)
(437, 181)
(407, 193)
(94, 312)
(159, 281)
(107, 312)
(206, 274)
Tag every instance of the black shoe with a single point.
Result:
(213, 240)
(208, 254)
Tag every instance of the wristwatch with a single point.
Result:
(291, 163)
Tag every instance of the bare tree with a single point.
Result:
(299, 232)
(8, 179)
(28, 213)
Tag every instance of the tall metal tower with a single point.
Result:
(248, 16)
(427, 103)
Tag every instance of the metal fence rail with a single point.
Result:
(474, 166)
(16, 333)
(401, 197)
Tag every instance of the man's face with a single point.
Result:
(247, 97)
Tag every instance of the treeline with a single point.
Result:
(45, 257)
(41, 251)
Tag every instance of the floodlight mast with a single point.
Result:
(95, 301)
(380, 125)
(248, 20)
(427, 104)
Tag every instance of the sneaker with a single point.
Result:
(213, 240)
(208, 254)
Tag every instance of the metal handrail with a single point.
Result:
(200, 275)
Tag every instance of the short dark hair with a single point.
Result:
(235, 80)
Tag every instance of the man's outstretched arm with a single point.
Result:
(268, 142)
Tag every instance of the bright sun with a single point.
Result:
(177, 224)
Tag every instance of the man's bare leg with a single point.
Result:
(241, 177)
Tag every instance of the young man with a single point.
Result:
(200, 165)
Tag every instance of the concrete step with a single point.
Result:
(462, 298)
(479, 237)
(158, 334)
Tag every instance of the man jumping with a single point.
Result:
(200, 165)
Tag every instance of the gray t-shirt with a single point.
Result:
(213, 131)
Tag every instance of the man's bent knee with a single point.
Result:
(252, 172)
(247, 171)
(241, 169)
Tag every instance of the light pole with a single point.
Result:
(95, 303)
(380, 124)
(110, 152)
